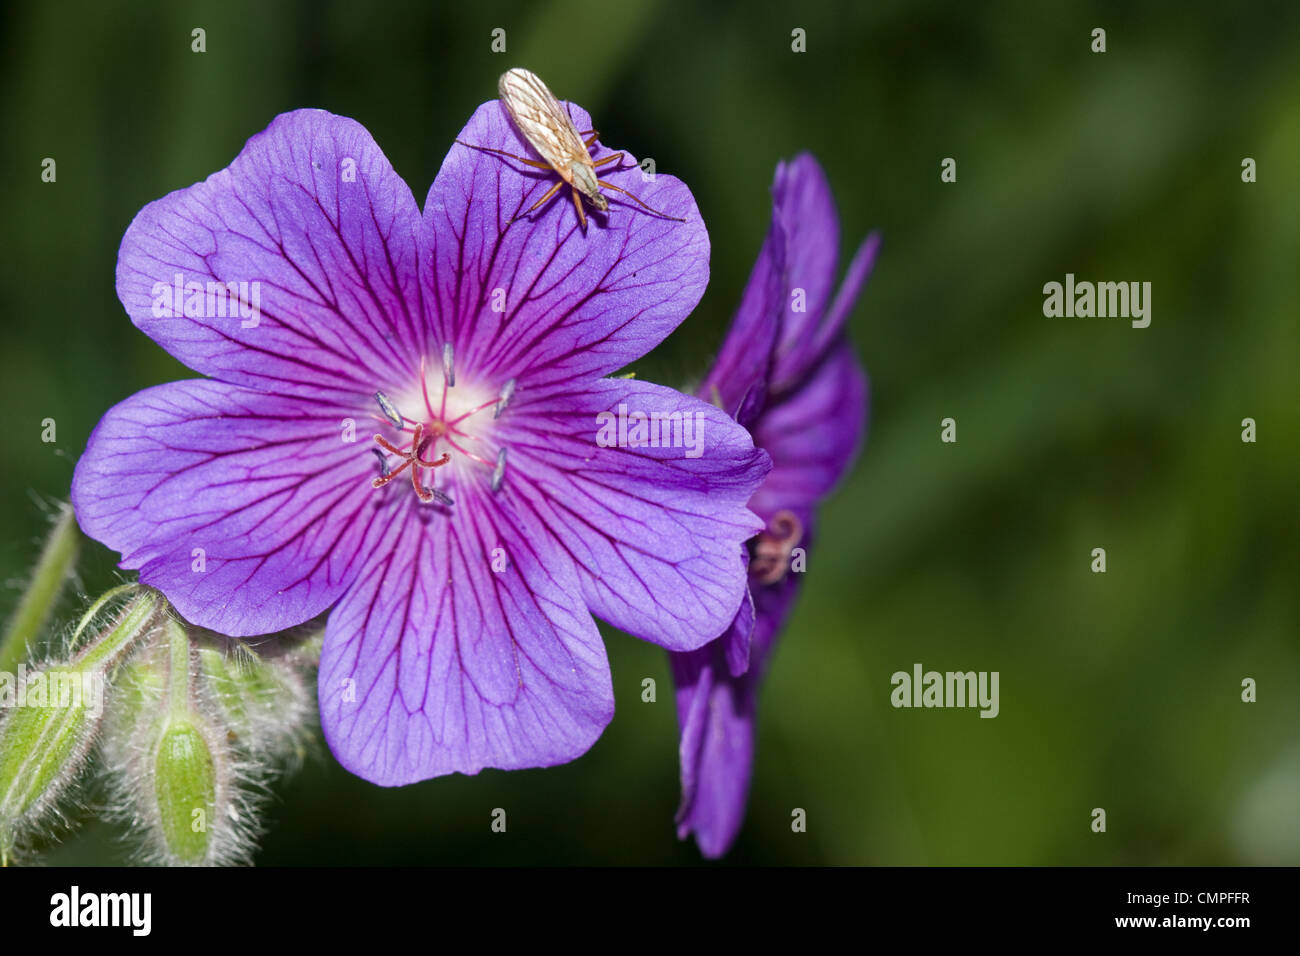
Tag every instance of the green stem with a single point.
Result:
(103, 653)
(98, 606)
(178, 643)
(52, 569)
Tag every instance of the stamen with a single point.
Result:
(389, 476)
(389, 410)
(448, 366)
(499, 472)
(774, 547)
(424, 387)
(418, 446)
(466, 452)
(472, 411)
(507, 392)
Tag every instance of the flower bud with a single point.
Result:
(168, 761)
(185, 784)
(266, 701)
(52, 715)
(200, 723)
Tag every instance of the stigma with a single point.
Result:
(770, 560)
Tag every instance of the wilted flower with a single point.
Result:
(788, 373)
(464, 550)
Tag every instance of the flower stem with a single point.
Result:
(178, 644)
(33, 611)
(104, 653)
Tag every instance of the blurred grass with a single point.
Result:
(1119, 691)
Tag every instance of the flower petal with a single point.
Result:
(716, 718)
(738, 637)
(313, 213)
(813, 435)
(244, 509)
(437, 662)
(655, 532)
(772, 605)
(738, 380)
(538, 299)
(716, 714)
(864, 260)
(802, 203)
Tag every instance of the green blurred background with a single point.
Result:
(1119, 690)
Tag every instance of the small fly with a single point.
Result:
(549, 130)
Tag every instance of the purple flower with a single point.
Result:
(788, 372)
(325, 309)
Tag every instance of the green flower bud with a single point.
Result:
(167, 759)
(183, 756)
(185, 784)
(267, 702)
(52, 715)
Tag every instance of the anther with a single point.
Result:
(499, 472)
(507, 393)
(389, 410)
(448, 366)
(383, 463)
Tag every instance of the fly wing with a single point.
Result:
(541, 119)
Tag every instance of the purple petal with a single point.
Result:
(772, 605)
(737, 638)
(538, 299)
(655, 532)
(266, 486)
(813, 435)
(802, 203)
(738, 380)
(716, 717)
(716, 713)
(864, 260)
(435, 662)
(312, 212)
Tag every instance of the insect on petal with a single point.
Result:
(542, 120)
